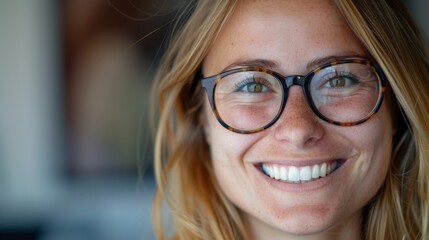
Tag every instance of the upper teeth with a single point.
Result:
(298, 174)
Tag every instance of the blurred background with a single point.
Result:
(75, 149)
(74, 134)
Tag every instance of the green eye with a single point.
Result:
(340, 82)
(255, 88)
(337, 82)
(253, 85)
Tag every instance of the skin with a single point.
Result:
(291, 35)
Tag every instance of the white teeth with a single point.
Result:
(264, 168)
(323, 170)
(276, 172)
(283, 174)
(293, 175)
(305, 173)
(315, 172)
(298, 174)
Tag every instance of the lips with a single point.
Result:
(301, 174)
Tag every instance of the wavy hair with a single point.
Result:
(189, 204)
(401, 209)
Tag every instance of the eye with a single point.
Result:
(252, 85)
(339, 81)
(255, 88)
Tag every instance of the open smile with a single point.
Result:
(301, 174)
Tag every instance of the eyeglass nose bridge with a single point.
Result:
(288, 82)
(294, 80)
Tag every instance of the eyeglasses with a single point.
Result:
(345, 92)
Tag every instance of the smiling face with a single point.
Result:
(291, 36)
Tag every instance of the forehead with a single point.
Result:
(287, 32)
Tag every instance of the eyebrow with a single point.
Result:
(264, 63)
(313, 63)
(316, 62)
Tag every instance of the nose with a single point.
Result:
(298, 125)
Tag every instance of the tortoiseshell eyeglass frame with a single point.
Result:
(210, 83)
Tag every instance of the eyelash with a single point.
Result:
(242, 84)
(334, 75)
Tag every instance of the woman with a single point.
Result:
(294, 120)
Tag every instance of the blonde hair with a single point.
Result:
(401, 210)
(187, 192)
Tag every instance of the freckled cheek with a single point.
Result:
(373, 143)
(226, 147)
(372, 136)
(381, 151)
(372, 172)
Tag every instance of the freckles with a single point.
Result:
(368, 135)
(315, 210)
(301, 215)
(228, 149)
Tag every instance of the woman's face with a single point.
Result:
(291, 36)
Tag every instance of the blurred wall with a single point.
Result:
(30, 108)
(74, 85)
(419, 10)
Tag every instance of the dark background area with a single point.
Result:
(75, 149)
